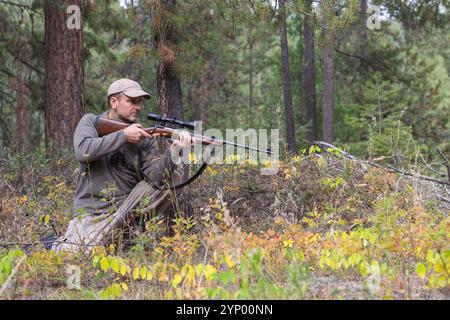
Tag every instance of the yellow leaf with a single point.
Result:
(143, 273)
(375, 267)
(104, 264)
(363, 269)
(301, 255)
(176, 280)
(136, 273)
(149, 276)
(163, 276)
(442, 281)
(345, 263)
(430, 256)
(117, 290)
(95, 260)
(331, 263)
(22, 199)
(287, 243)
(192, 158)
(438, 267)
(184, 270)
(124, 286)
(115, 265)
(123, 270)
(110, 291)
(267, 164)
(351, 260)
(321, 162)
(209, 271)
(98, 250)
(190, 274)
(199, 269)
(421, 270)
(179, 293)
(229, 261)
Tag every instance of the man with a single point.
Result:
(112, 166)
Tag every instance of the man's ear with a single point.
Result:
(113, 102)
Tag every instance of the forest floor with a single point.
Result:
(323, 227)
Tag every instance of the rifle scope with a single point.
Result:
(172, 120)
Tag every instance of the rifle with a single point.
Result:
(106, 126)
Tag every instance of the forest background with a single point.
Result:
(370, 77)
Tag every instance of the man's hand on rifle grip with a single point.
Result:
(134, 133)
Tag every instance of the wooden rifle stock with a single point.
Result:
(106, 126)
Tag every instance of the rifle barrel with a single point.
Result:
(232, 144)
(210, 140)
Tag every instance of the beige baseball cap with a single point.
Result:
(128, 87)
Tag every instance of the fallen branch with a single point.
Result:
(415, 175)
(389, 169)
(443, 198)
(13, 272)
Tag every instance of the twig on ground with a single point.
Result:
(13, 272)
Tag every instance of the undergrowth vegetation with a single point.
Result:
(324, 227)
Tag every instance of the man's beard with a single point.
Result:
(126, 120)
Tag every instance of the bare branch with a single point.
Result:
(25, 62)
(445, 162)
(429, 166)
(19, 5)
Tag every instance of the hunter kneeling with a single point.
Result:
(117, 171)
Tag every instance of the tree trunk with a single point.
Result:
(168, 83)
(22, 126)
(21, 54)
(169, 93)
(310, 72)
(287, 91)
(364, 38)
(250, 80)
(208, 78)
(328, 85)
(170, 104)
(64, 75)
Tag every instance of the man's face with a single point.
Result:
(126, 108)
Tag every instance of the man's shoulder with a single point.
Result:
(86, 124)
(89, 118)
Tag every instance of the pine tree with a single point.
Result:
(287, 90)
(64, 74)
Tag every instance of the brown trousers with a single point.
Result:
(85, 232)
